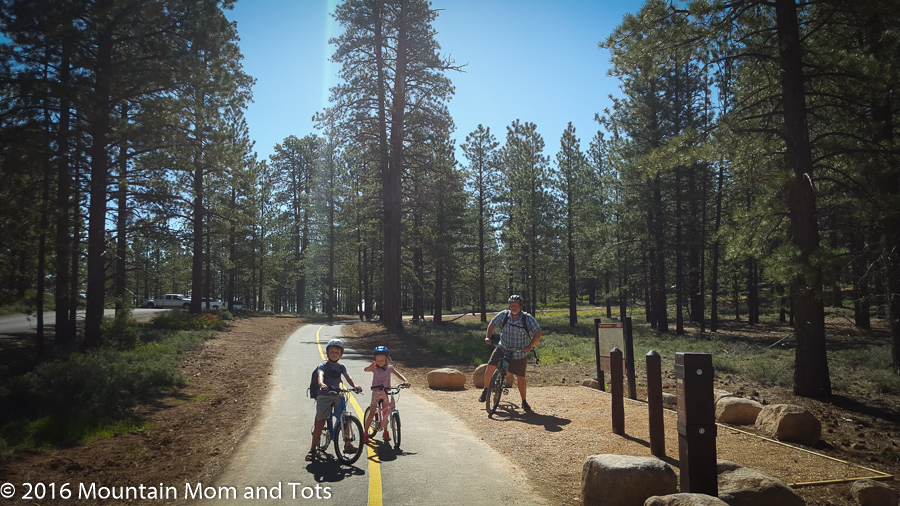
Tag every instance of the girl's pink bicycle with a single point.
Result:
(387, 413)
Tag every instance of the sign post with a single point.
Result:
(597, 352)
(609, 336)
(696, 423)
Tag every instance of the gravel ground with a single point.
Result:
(570, 423)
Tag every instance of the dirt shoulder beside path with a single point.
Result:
(194, 432)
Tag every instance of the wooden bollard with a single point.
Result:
(629, 360)
(617, 390)
(655, 404)
(696, 423)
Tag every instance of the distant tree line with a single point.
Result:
(748, 165)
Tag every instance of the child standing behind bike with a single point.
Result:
(381, 379)
(330, 373)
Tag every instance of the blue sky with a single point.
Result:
(530, 60)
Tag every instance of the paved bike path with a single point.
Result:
(440, 460)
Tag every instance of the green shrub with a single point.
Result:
(177, 319)
(71, 399)
(121, 332)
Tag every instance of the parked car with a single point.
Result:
(169, 300)
(238, 304)
(214, 303)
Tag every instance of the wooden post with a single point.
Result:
(618, 401)
(629, 360)
(655, 404)
(696, 423)
(597, 352)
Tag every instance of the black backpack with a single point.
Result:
(313, 390)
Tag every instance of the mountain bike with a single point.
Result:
(386, 413)
(342, 422)
(497, 386)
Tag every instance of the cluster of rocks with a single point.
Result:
(452, 379)
(623, 480)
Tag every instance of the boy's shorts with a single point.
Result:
(324, 405)
(516, 366)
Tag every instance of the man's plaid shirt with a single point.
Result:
(514, 333)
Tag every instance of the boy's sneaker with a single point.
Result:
(483, 395)
(525, 406)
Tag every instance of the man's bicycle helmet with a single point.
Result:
(516, 298)
(381, 350)
(335, 342)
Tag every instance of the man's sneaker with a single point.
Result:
(483, 396)
(387, 437)
(349, 448)
(525, 406)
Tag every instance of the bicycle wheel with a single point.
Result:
(495, 391)
(395, 428)
(373, 427)
(349, 446)
(325, 436)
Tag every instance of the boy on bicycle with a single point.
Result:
(518, 329)
(330, 373)
(381, 379)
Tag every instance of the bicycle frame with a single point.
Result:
(388, 406)
(387, 414)
(338, 420)
(497, 385)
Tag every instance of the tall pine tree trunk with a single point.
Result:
(64, 220)
(121, 220)
(100, 125)
(391, 181)
(811, 378)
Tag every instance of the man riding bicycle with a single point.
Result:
(518, 329)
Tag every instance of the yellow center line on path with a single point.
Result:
(372, 454)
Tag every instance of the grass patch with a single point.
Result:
(86, 396)
(763, 358)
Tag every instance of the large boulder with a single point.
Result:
(685, 500)
(446, 379)
(478, 376)
(742, 486)
(872, 493)
(624, 480)
(721, 394)
(787, 422)
(737, 410)
(670, 399)
(590, 383)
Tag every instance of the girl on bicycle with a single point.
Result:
(381, 371)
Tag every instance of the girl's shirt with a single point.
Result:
(382, 377)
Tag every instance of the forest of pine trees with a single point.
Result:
(748, 167)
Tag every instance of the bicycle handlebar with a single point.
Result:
(340, 391)
(391, 390)
(498, 345)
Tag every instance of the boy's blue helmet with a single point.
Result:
(381, 350)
